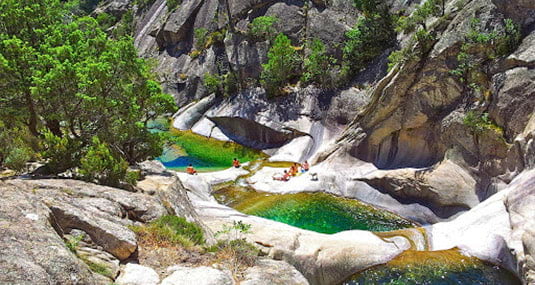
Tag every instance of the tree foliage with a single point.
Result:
(282, 66)
(368, 39)
(317, 64)
(67, 82)
(262, 27)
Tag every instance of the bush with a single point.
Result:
(169, 231)
(212, 82)
(105, 20)
(15, 149)
(481, 123)
(201, 38)
(173, 4)
(100, 164)
(317, 65)
(61, 153)
(367, 40)
(480, 48)
(262, 27)
(282, 66)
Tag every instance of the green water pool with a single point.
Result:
(205, 154)
(318, 212)
(434, 268)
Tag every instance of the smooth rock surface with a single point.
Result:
(198, 275)
(135, 274)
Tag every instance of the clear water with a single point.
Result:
(434, 268)
(205, 154)
(318, 212)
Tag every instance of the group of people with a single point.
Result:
(294, 170)
(191, 171)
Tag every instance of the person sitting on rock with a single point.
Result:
(305, 166)
(284, 177)
(236, 163)
(293, 170)
(190, 170)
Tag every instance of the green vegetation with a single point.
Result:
(144, 4)
(262, 28)
(201, 38)
(170, 231)
(481, 123)
(283, 65)
(100, 165)
(480, 48)
(97, 267)
(66, 83)
(226, 84)
(236, 251)
(125, 27)
(72, 242)
(372, 35)
(317, 65)
(426, 10)
(173, 4)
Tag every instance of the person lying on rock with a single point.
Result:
(284, 177)
(190, 170)
(236, 163)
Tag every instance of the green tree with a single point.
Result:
(370, 37)
(317, 64)
(64, 79)
(201, 38)
(282, 66)
(262, 27)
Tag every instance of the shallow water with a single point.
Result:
(205, 154)
(434, 268)
(318, 212)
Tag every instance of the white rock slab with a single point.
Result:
(135, 274)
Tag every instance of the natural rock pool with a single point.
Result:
(434, 267)
(205, 154)
(318, 212)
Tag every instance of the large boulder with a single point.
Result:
(31, 251)
(135, 274)
(198, 275)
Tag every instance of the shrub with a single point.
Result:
(212, 82)
(481, 123)
(262, 27)
(317, 64)
(61, 153)
(201, 38)
(102, 165)
(480, 48)
(173, 4)
(105, 20)
(235, 250)
(282, 66)
(169, 231)
(370, 37)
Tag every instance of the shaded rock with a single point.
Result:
(135, 274)
(191, 114)
(179, 24)
(114, 238)
(291, 19)
(267, 271)
(245, 55)
(198, 275)
(31, 252)
(447, 188)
